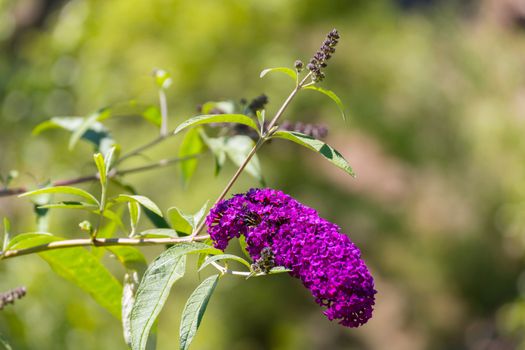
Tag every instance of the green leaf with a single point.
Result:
(191, 145)
(87, 124)
(130, 257)
(97, 133)
(217, 118)
(7, 233)
(332, 155)
(237, 148)
(159, 232)
(185, 223)
(278, 269)
(218, 147)
(101, 166)
(330, 94)
(134, 216)
(194, 310)
(142, 200)
(80, 267)
(70, 205)
(224, 257)
(152, 114)
(4, 343)
(290, 72)
(155, 286)
(225, 107)
(64, 190)
(179, 221)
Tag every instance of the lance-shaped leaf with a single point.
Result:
(155, 286)
(87, 124)
(186, 223)
(319, 146)
(224, 257)
(217, 118)
(237, 148)
(63, 190)
(194, 310)
(191, 145)
(290, 72)
(5, 345)
(142, 200)
(78, 266)
(330, 94)
(7, 233)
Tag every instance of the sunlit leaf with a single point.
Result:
(159, 232)
(194, 310)
(162, 78)
(185, 223)
(87, 124)
(7, 233)
(217, 118)
(134, 215)
(332, 155)
(63, 190)
(218, 147)
(101, 166)
(191, 145)
(330, 94)
(5, 345)
(237, 148)
(142, 200)
(78, 266)
(152, 114)
(214, 258)
(155, 286)
(224, 107)
(290, 72)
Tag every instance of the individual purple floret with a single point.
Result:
(325, 260)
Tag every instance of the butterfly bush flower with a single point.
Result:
(314, 249)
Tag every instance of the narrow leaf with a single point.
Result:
(237, 148)
(134, 216)
(7, 233)
(87, 124)
(185, 223)
(64, 190)
(214, 258)
(142, 200)
(80, 267)
(194, 310)
(290, 72)
(4, 343)
(191, 144)
(330, 94)
(159, 232)
(101, 166)
(217, 118)
(155, 286)
(332, 155)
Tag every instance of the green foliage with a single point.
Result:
(78, 266)
(63, 190)
(237, 148)
(222, 257)
(217, 118)
(142, 200)
(332, 96)
(194, 310)
(191, 145)
(332, 155)
(290, 72)
(155, 286)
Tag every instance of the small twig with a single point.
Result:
(113, 173)
(99, 242)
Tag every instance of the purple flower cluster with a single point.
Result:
(325, 260)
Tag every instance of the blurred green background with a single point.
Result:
(436, 97)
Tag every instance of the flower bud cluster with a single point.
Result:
(318, 62)
(10, 296)
(280, 231)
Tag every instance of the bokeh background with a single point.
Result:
(435, 92)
